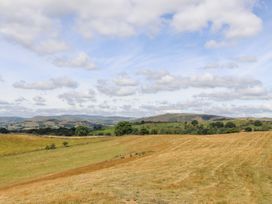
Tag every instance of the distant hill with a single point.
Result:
(90, 118)
(7, 120)
(182, 117)
(68, 121)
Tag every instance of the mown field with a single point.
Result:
(232, 168)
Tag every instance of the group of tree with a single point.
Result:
(193, 127)
(3, 131)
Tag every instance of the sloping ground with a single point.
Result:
(182, 117)
(233, 168)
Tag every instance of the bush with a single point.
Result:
(123, 128)
(154, 132)
(65, 144)
(144, 131)
(230, 125)
(258, 123)
(217, 125)
(4, 131)
(194, 122)
(248, 129)
(82, 131)
(49, 147)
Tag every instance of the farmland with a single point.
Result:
(231, 168)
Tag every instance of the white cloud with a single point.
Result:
(249, 93)
(51, 84)
(78, 98)
(82, 61)
(164, 81)
(37, 24)
(125, 80)
(20, 100)
(51, 47)
(211, 44)
(39, 101)
(110, 89)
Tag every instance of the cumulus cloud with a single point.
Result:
(36, 23)
(39, 101)
(51, 84)
(82, 61)
(20, 100)
(51, 47)
(78, 98)
(164, 81)
(111, 89)
(249, 93)
(125, 80)
(4, 102)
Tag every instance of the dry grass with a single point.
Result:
(234, 168)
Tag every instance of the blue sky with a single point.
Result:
(135, 58)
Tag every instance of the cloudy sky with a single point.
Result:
(135, 57)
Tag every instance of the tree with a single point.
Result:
(217, 125)
(194, 122)
(258, 123)
(4, 131)
(82, 131)
(144, 131)
(248, 129)
(230, 125)
(154, 132)
(123, 128)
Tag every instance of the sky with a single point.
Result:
(135, 57)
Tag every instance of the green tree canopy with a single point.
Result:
(123, 128)
(194, 122)
(82, 131)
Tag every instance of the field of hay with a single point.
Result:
(233, 168)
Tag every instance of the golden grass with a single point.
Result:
(234, 168)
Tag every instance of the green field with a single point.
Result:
(23, 156)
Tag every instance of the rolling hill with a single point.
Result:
(182, 117)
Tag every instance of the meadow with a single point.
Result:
(230, 168)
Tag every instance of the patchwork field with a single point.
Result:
(233, 168)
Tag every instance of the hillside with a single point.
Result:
(182, 117)
(156, 169)
(68, 121)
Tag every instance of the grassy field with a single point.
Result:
(233, 168)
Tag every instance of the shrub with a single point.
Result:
(65, 144)
(154, 131)
(144, 131)
(217, 125)
(4, 131)
(248, 129)
(194, 122)
(258, 123)
(82, 131)
(123, 128)
(230, 125)
(52, 146)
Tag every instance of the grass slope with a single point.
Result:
(235, 168)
